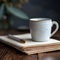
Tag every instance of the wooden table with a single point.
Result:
(10, 53)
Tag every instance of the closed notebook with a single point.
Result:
(30, 46)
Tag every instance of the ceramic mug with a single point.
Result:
(40, 28)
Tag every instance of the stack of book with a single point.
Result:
(25, 44)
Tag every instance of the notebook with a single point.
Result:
(30, 46)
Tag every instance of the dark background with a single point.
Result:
(38, 8)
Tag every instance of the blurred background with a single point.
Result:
(36, 9)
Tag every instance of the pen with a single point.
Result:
(16, 39)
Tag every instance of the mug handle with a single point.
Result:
(57, 27)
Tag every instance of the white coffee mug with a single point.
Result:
(40, 28)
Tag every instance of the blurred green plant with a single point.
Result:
(11, 7)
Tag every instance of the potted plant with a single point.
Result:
(8, 7)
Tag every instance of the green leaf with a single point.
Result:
(1, 11)
(17, 12)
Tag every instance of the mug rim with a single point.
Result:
(40, 19)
